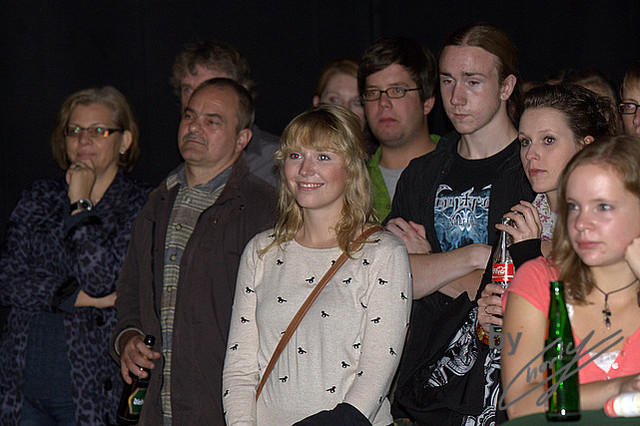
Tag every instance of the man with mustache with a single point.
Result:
(178, 278)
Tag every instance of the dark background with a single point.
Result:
(51, 49)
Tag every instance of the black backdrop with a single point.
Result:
(51, 49)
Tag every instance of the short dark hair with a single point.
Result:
(246, 110)
(214, 55)
(498, 43)
(418, 61)
(122, 116)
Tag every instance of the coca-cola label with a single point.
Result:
(502, 272)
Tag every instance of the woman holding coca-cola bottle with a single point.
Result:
(557, 122)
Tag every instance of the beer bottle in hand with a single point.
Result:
(133, 394)
(562, 375)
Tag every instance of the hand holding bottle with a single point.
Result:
(135, 357)
(490, 306)
(525, 222)
(135, 390)
(502, 272)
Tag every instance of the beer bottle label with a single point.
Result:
(136, 399)
(502, 272)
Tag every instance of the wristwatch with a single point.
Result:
(82, 204)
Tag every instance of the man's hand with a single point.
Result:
(135, 356)
(413, 235)
(477, 254)
(490, 306)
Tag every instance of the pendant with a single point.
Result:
(606, 312)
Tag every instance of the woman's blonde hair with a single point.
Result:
(335, 129)
(618, 153)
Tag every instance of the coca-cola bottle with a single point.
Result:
(503, 269)
(133, 395)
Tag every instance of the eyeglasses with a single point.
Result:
(98, 132)
(628, 108)
(346, 103)
(394, 92)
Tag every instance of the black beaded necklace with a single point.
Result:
(606, 312)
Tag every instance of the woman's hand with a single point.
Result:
(527, 222)
(84, 300)
(490, 306)
(80, 177)
(413, 235)
(632, 256)
(631, 384)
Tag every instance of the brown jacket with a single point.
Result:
(206, 286)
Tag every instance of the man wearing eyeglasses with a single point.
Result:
(397, 79)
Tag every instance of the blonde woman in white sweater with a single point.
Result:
(339, 364)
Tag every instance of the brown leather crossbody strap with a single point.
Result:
(307, 304)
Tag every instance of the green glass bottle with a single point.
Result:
(133, 395)
(564, 395)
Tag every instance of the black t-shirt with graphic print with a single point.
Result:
(461, 207)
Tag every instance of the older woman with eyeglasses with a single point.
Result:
(65, 244)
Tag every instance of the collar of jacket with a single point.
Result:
(238, 174)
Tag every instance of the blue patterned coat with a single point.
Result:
(37, 259)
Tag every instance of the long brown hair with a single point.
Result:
(335, 129)
(497, 42)
(622, 155)
(587, 114)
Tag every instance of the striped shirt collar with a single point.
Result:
(179, 177)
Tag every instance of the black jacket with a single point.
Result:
(414, 200)
(206, 288)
